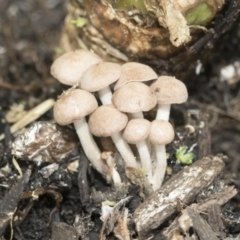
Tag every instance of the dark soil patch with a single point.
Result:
(29, 35)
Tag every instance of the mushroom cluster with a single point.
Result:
(125, 92)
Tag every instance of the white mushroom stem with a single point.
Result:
(91, 149)
(145, 158)
(163, 112)
(124, 150)
(143, 150)
(89, 145)
(160, 168)
(105, 95)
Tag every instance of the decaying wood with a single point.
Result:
(113, 219)
(214, 217)
(10, 201)
(217, 199)
(121, 230)
(184, 187)
(207, 41)
(174, 20)
(116, 213)
(195, 221)
(148, 44)
(45, 141)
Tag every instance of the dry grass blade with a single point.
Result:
(31, 116)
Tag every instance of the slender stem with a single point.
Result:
(160, 168)
(105, 95)
(124, 150)
(145, 158)
(92, 151)
(163, 112)
(90, 147)
(143, 150)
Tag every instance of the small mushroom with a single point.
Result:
(69, 67)
(72, 107)
(107, 121)
(135, 72)
(136, 131)
(161, 133)
(98, 78)
(133, 98)
(168, 90)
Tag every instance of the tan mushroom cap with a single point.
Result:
(99, 76)
(107, 120)
(161, 132)
(135, 72)
(134, 97)
(169, 90)
(69, 67)
(73, 105)
(137, 130)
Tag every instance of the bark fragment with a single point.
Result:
(45, 141)
(176, 23)
(214, 202)
(116, 36)
(184, 187)
(10, 201)
(203, 230)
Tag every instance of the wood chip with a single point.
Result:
(184, 187)
(202, 228)
(220, 198)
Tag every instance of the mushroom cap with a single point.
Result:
(134, 97)
(137, 130)
(73, 105)
(169, 90)
(69, 67)
(107, 120)
(99, 76)
(161, 132)
(135, 72)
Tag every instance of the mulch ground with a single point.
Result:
(29, 35)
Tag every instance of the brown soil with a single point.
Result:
(29, 35)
